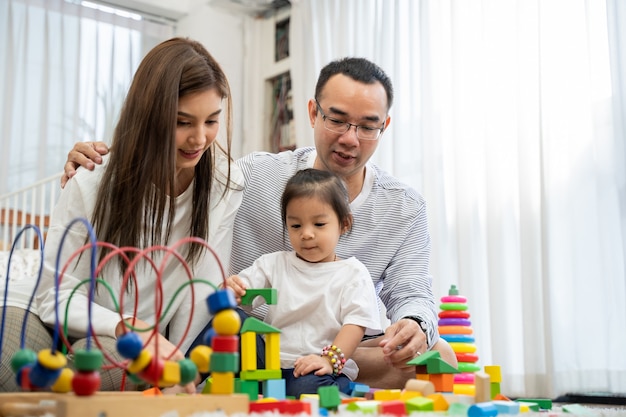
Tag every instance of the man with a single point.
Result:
(390, 235)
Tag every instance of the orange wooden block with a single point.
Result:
(151, 392)
(442, 382)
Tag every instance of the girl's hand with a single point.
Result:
(310, 363)
(237, 286)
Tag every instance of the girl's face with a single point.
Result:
(313, 228)
(196, 127)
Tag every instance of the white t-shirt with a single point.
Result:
(314, 301)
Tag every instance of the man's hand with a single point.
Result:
(307, 364)
(85, 154)
(403, 341)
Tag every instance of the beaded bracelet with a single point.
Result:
(336, 356)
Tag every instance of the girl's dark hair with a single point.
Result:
(140, 175)
(323, 185)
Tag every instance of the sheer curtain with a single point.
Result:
(509, 118)
(64, 72)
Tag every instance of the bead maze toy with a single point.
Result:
(51, 388)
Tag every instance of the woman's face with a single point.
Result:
(196, 126)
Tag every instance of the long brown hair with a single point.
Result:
(133, 194)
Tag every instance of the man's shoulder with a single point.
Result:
(395, 188)
(287, 158)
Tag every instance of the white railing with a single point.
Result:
(30, 205)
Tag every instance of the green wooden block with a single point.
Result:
(224, 362)
(420, 404)
(270, 295)
(543, 403)
(495, 389)
(365, 407)
(329, 397)
(261, 374)
(251, 388)
(458, 409)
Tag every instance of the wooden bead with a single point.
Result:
(51, 360)
(140, 363)
(153, 372)
(129, 345)
(22, 358)
(88, 360)
(201, 356)
(63, 383)
(86, 383)
(188, 371)
(227, 323)
(43, 377)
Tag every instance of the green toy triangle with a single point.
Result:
(434, 363)
(252, 324)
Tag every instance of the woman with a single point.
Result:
(167, 178)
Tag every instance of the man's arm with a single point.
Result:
(85, 154)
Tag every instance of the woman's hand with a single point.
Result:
(307, 364)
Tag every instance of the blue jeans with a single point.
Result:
(306, 384)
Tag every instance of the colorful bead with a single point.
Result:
(153, 372)
(43, 377)
(227, 323)
(140, 362)
(86, 383)
(129, 345)
(88, 360)
(201, 356)
(51, 360)
(336, 357)
(188, 371)
(63, 383)
(22, 358)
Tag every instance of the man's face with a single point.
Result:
(345, 99)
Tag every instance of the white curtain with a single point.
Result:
(64, 72)
(509, 118)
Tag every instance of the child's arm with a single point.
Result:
(345, 344)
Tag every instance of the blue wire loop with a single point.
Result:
(7, 278)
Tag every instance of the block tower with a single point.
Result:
(456, 328)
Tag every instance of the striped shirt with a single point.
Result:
(389, 233)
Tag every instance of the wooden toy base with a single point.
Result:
(117, 404)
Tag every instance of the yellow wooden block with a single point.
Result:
(494, 372)
(387, 394)
(248, 351)
(407, 395)
(272, 351)
(223, 383)
(439, 402)
(171, 374)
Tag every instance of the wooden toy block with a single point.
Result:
(495, 390)
(275, 388)
(223, 383)
(224, 362)
(394, 408)
(458, 409)
(482, 387)
(171, 374)
(248, 351)
(526, 406)
(387, 394)
(329, 397)
(359, 390)
(261, 374)
(506, 407)
(485, 409)
(442, 382)
(272, 351)
(421, 370)
(293, 407)
(439, 402)
(407, 395)
(420, 404)
(422, 377)
(252, 324)
(225, 344)
(424, 387)
(464, 389)
(120, 404)
(221, 300)
(270, 295)
(250, 388)
(364, 406)
(494, 372)
(544, 403)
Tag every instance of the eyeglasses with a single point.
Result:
(339, 126)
